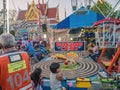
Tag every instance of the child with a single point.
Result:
(56, 77)
(37, 79)
(38, 54)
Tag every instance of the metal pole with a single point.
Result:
(112, 11)
(39, 23)
(4, 17)
(118, 14)
(7, 16)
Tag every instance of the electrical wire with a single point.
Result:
(114, 9)
(118, 14)
(14, 5)
(106, 6)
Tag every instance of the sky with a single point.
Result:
(64, 5)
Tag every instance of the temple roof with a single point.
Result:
(51, 12)
(53, 21)
(43, 8)
(21, 15)
(32, 12)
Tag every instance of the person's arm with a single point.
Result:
(59, 76)
(94, 49)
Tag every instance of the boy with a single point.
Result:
(56, 77)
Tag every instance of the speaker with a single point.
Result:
(44, 27)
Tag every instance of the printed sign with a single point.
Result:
(15, 58)
(69, 46)
(16, 66)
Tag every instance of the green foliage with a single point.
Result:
(117, 14)
(1, 29)
(69, 66)
(12, 32)
(105, 8)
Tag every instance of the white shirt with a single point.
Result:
(95, 49)
(54, 82)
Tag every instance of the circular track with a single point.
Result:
(87, 68)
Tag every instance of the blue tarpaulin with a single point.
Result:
(79, 20)
(65, 23)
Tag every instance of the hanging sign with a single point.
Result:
(69, 46)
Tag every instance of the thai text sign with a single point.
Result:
(69, 46)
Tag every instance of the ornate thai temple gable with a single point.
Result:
(46, 7)
(32, 13)
(57, 13)
(47, 14)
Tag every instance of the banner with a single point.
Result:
(69, 46)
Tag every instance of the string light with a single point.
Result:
(59, 39)
(45, 36)
(71, 38)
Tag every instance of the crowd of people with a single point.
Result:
(35, 48)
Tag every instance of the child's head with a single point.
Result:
(54, 67)
(93, 44)
(36, 46)
(35, 76)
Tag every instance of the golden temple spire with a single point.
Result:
(32, 13)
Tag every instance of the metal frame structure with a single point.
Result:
(109, 69)
(112, 62)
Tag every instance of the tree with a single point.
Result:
(1, 29)
(12, 32)
(116, 14)
(103, 6)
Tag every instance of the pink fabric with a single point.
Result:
(70, 84)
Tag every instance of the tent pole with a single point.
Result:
(112, 11)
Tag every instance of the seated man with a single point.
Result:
(95, 52)
(89, 47)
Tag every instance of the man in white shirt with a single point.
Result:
(95, 52)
